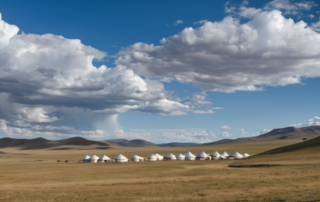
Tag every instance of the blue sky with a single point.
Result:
(240, 64)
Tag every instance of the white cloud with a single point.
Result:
(243, 132)
(168, 135)
(178, 22)
(209, 111)
(225, 134)
(229, 56)
(261, 132)
(225, 127)
(316, 26)
(198, 100)
(292, 8)
(311, 122)
(49, 86)
(3, 126)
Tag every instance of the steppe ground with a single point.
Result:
(35, 175)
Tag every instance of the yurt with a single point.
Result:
(86, 159)
(181, 157)
(170, 157)
(94, 159)
(120, 159)
(152, 157)
(246, 155)
(104, 159)
(159, 157)
(203, 156)
(190, 156)
(225, 154)
(215, 155)
(235, 155)
(137, 158)
(222, 157)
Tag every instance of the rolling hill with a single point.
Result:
(41, 143)
(275, 134)
(144, 143)
(308, 144)
(131, 143)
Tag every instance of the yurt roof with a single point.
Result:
(171, 156)
(137, 157)
(120, 156)
(225, 154)
(236, 154)
(215, 154)
(94, 157)
(246, 155)
(189, 154)
(104, 157)
(157, 155)
(180, 156)
(202, 155)
(152, 156)
(87, 157)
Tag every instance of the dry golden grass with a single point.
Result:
(24, 178)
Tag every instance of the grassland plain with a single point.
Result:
(35, 175)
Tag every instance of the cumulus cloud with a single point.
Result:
(267, 50)
(311, 122)
(49, 86)
(225, 127)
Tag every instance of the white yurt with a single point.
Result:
(181, 157)
(222, 157)
(225, 154)
(215, 155)
(86, 159)
(159, 157)
(235, 155)
(152, 157)
(120, 159)
(202, 156)
(170, 157)
(104, 159)
(137, 158)
(190, 156)
(246, 155)
(94, 159)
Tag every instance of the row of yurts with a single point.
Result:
(157, 157)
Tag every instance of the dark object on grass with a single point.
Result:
(253, 165)
(305, 138)
(58, 161)
(66, 161)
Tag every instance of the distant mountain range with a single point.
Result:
(41, 143)
(276, 134)
(144, 143)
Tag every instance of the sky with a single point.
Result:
(162, 71)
